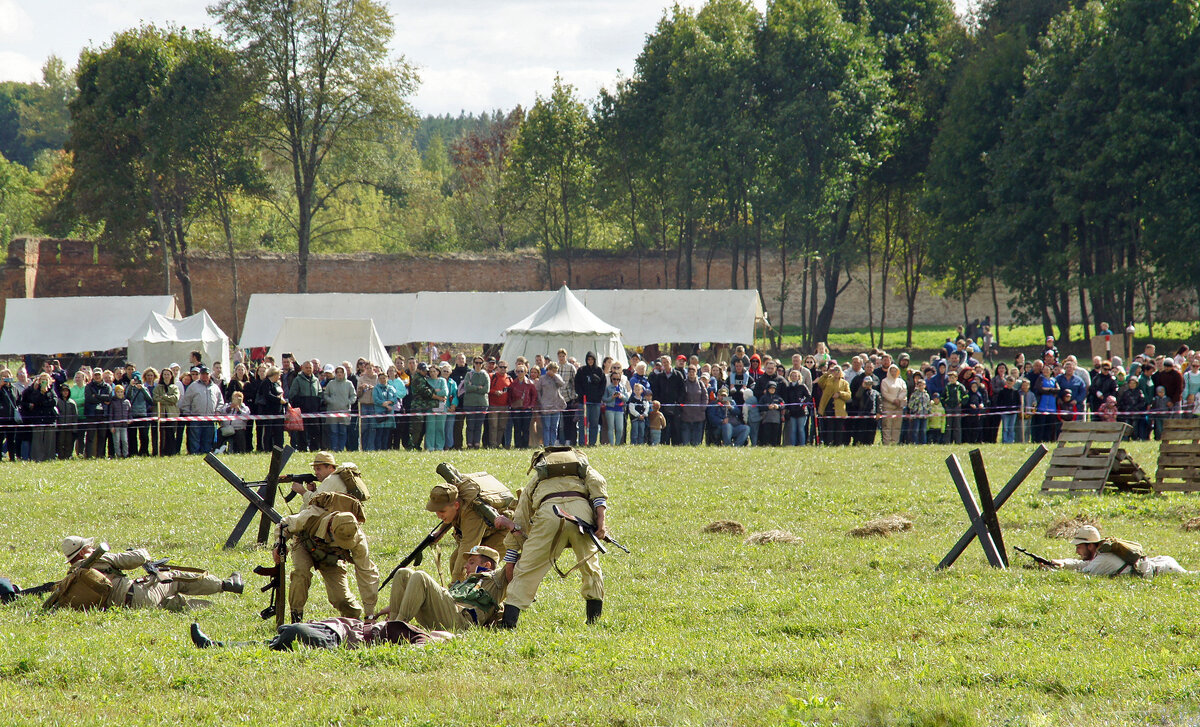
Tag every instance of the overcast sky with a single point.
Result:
(472, 55)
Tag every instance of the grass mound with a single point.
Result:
(729, 527)
(1066, 527)
(882, 527)
(1193, 524)
(772, 536)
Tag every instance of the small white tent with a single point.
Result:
(330, 341)
(162, 341)
(563, 322)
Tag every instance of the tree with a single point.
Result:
(552, 172)
(325, 93)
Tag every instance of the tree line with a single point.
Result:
(1045, 146)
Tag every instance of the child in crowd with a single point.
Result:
(118, 413)
(1028, 407)
(1160, 409)
(919, 405)
(752, 413)
(639, 410)
(657, 423)
(937, 419)
(1108, 410)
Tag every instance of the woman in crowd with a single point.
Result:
(552, 399)
(235, 433)
(68, 416)
(798, 400)
(615, 402)
(166, 401)
(1044, 428)
(383, 420)
(835, 394)
(399, 382)
(452, 402)
(141, 407)
(1131, 403)
(435, 421)
(39, 410)
(270, 402)
(893, 394)
(8, 415)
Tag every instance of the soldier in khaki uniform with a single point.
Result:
(561, 476)
(331, 478)
(327, 535)
(1111, 557)
(168, 589)
(473, 601)
(471, 506)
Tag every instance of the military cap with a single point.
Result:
(324, 458)
(441, 495)
(73, 545)
(486, 552)
(1085, 534)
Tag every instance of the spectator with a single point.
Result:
(639, 409)
(893, 394)
(1191, 384)
(1161, 409)
(693, 404)
(1172, 382)
(1108, 410)
(552, 394)
(567, 428)
(589, 385)
(40, 413)
(202, 398)
(977, 403)
(473, 395)
(522, 400)
(798, 398)
(1068, 411)
(97, 396)
(8, 415)
(1131, 405)
(725, 415)
(614, 401)
(166, 402)
(919, 409)
(423, 402)
(141, 406)
(771, 404)
(937, 420)
(752, 415)
(864, 404)
(234, 432)
(304, 393)
(955, 403)
(451, 418)
(383, 419)
(339, 396)
(119, 414)
(835, 394)
(435, 420)
(68, 415)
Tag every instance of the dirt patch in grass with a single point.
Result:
(727, 527)
(1066, 527)
(1193, 524)
(882, 527)
(772, 536)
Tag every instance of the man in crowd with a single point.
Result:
(457, 374)
(420, 404)
(202, 398)
(1171, 380)
(304, 393)
(96, 397)
(566, 370)
(473, 393)
(589, 386)
(497, 414)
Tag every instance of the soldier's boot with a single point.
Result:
(594, 607)
(201, 640)
(509, 620)
(297, 617)
(233, 584)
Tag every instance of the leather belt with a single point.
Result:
(568, 493)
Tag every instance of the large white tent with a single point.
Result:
(330, 341)
(77, 324)
(643, 316)
(563, 322)
(162, 341)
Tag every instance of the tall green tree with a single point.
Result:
(328, 95)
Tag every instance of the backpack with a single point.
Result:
(81, 590)
(353, 478)
(1126, 550)
(558, 462)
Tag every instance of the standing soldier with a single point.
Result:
(327, 535)
(470, 504)
(561, 476)
(103, 583)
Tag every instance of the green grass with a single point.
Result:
(698, 629)
(927, 338)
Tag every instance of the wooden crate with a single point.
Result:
(1179, 457)
(1127, 476)
(1084, 456)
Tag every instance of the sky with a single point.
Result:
(471, 55)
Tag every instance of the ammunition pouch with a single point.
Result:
(323, 553)
(468, 594)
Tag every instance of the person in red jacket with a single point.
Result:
(498, 407)
(522, 399)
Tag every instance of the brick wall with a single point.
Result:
(49, 268)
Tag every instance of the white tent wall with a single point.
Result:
(161, 341)
(578, 346)
(77, 324)
(643, 316)
(330, 341)
(563, 321)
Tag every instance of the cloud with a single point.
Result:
(13, 21)
(18, 67)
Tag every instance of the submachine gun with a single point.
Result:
(1036, 558)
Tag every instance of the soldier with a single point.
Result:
(331, 633)
(473, 601)
(471, 504)
(329, 477)
(327, 535)
(1112, 557)
(112, 588)
(561, 476)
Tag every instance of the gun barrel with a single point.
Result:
(449, 473)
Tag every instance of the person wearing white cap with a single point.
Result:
(167, 588)
(1112, 557)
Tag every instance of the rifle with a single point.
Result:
(453, 477)
(17, 591)
(277, 571)
(1036, 558)
(587, 529)
(306, 479)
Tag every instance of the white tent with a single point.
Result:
(77, 324)
(162, 341)
(563, 322)
(330, 341)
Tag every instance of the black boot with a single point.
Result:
(594, 607)
(233, 584)
(509, 621)
(297, 617)
(200, 639)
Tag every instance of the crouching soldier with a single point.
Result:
(332, 633)
(561, 477)
(101, 581)
(473, 601)
(471, 504)
(327, 535)
(1113, 557)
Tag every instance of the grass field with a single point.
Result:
(698, 629)
(927, 338)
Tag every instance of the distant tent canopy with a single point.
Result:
(77, 324)
(330, 341)
(644, 316)
(162, 341)
(563, 322)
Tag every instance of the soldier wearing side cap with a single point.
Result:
(1113, 557)
(473, 601)
(471, 505)
(327, 535)
(168, 588)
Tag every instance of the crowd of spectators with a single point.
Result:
(473, 401)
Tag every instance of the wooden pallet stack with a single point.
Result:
(1127, 475)
(1179, 457)
(1085, 457)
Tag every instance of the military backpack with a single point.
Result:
(83, 589)
(553, 462)
(1126, 550)
(353, 479)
